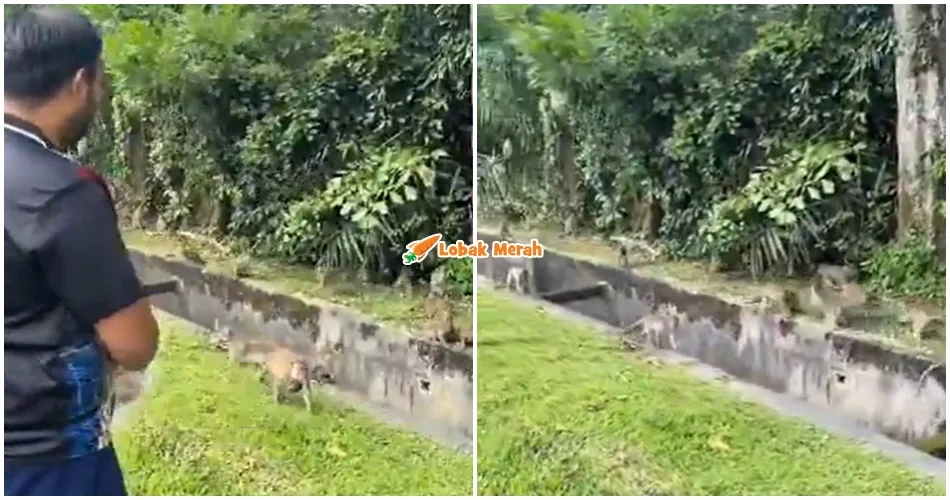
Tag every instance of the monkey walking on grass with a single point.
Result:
(289, 372)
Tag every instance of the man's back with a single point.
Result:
(54, 376)
(74, 303)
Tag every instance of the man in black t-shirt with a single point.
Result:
(73, 304)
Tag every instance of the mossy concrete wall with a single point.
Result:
(901, 394)
(426, 384)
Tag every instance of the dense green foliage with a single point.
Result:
(760, 137)
(324, 135)
(460, 273)
(907, 268)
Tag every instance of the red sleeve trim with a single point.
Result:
(87, 173)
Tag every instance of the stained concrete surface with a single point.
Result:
(833, 423)
(900, 394)
(424, 385)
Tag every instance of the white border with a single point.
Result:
(474, 227)
(474, 190)
(473, 149)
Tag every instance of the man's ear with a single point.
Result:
(80, 83)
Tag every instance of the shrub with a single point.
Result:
(460, 275)
(907, 268)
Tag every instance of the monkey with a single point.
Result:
(124, 386)
(837, 304)
(220, 336)
(836, 276)
(791, 303)
(927, 325)
(241, 267)
(782, 307)
(292, 372)
(765, 304)
(193, 255)
(440, 325)
(627, 247)
(935, 445)
(517, 279)
(624, 258)
(624, 249)
(831, 292)
(403, 280)
(643, 331)
(651, 327)
(505, 231)
(288, 371)
(512, 214)
(468, 339)
(189, 250)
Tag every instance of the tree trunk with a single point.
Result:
(568, 163)
(549, 156)
(566, 158)
(136, 158)
(921, 124)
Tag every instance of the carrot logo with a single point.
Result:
(419, 249)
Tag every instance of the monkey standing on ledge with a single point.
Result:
(438, 310)
(440, 320)
(628, 247)
(831, 293)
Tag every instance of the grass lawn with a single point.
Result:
(207, 427)
(562, 411)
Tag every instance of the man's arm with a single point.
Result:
(87, 265)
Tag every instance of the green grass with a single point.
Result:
(207, 427)
(562, 411)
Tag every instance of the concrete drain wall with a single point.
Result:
(425, 384)
(900, 394)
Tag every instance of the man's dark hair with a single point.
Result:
(44, 48)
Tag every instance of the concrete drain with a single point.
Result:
(374, 366)
(897, 394)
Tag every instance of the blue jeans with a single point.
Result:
(95, 474)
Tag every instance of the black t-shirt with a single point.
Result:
(65, 269)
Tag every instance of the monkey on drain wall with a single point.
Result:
(440, 320)
(518, 280)
(439, 313)
(652, 328)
